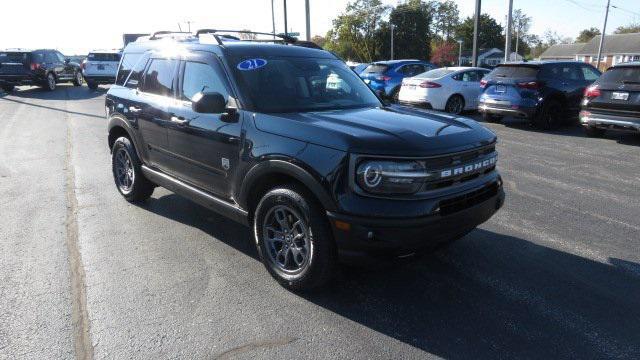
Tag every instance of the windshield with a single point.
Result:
(514, 71)
(290, 84)
(623, 74)
(103, 57)
(435, 74)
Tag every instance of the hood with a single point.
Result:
(392, 130)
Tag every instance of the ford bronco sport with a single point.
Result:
(318, 169)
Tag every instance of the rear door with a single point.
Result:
(206, 147)
(68, 68)
(53, 64)
(619, 92)
(153, 105)
(469, 82)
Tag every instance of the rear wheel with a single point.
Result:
(77, 79)
(92, 85)
(8, 88)
(395, 95)
(127, 172)
(455, 105)
(294, 239)
(550, 116)
(50, 83)
(486, 117)
(591, 131)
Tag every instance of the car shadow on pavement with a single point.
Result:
(488, 296)
(58, 94)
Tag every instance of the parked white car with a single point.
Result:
(100, 67)
(452, 89)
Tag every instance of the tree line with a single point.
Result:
(430, 30)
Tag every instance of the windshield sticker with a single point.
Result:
(252, 64)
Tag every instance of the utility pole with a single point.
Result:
(460, 52)
(604, 29)
(285, 18)
(517, 40)
(391, 41)
(507, 44)
(476, 29)
(306, 10)
(189, 25)
(273, 20)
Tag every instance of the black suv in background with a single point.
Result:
(613, 101)
(548, 93)
(42, 67)
(290, 141)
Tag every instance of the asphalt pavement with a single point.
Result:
(84, 274)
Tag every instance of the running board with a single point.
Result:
(209, 201)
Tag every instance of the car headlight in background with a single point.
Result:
(390, 177)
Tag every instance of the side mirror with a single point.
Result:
(209, 103)
(66, 61)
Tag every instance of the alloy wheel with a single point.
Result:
(287, 240)
(125, 175)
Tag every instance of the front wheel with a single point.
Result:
(486, 117)
(77, 79)
(455, 105)
(550, 116)
(92, 85)
(294, 239)
(127, 172)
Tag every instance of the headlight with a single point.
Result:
(390, 177)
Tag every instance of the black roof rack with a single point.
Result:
(284, 38)
(158, 34)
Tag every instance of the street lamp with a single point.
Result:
(460, 52)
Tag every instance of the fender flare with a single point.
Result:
(285, 168)
(118, 121)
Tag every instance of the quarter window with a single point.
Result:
(159, 77)
(201, 77)
(126, 65)
(590, 74)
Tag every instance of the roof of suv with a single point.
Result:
(230, 47)
(400, 61)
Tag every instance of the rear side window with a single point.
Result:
(515, 71)
(103, 57)
(159, 77)
(201, 77)
(375, 69)
(619, 75)
(589, 73)
(126, 65)
(14, 57)
(435, 74)
(50, 58)
(562, 71)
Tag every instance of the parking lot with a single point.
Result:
(555, 274)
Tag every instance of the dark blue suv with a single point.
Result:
(548, 93)
(290, 141)
(385, 77)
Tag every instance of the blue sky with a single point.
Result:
(101, 24)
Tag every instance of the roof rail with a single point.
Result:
(158, 34)
(214, 32)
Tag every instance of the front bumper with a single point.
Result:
(609, 122)
(455, 217)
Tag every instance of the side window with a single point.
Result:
(482, 74)
(50, 58)
(589, 73)
(470, 76)
(159, 77)
(136, 73)
(59, 56)
(570, 72)
(201, 77)
(126, 65)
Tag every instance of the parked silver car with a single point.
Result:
(100, 67)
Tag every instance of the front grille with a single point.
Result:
(459, 203)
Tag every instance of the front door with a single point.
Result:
(205, 147)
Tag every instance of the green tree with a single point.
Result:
(353, 35)
(587, 34)
(490, 34)
(411, 37)
(627, 29)
(445, 18)
(521, 39)
(319, 40)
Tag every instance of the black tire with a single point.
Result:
(92, 85)
(315, 250)
(550, 116)
(395, 95)
(8, 88)
(50, 82)
(77, 79)
(591, 131)
(136, 187)
(455, 105)
(486, 117)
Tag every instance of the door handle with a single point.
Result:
(179, 120)
(134, 109)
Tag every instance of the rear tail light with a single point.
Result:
(483, 83)
(592, 92)
(531, 85)
(35, 66)
(429, 85)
